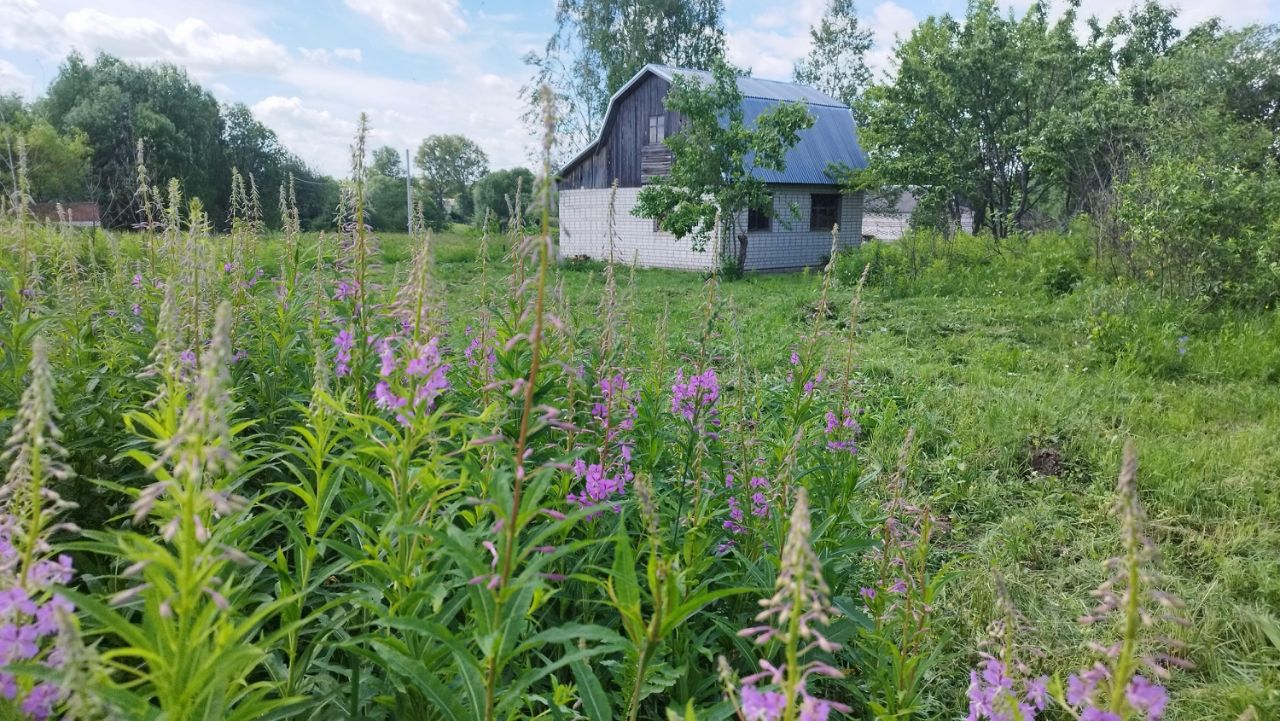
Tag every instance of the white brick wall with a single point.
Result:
(584, 228)
(789, 243)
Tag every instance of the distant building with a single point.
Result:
(630, 151)
(80, 214)
(888, 217)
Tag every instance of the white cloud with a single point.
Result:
(12, 79)
(317, 122)
(772, 41)
(324, 55)
(417, 25)
(191, 43)
(314, 135)
(27, 27)
(891, 23)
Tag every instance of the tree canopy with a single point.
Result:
(83, 139)
(836, 63)
(450, 165)
(495, 194)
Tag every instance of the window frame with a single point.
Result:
(753, 216)
(657, 128)
(834, 211)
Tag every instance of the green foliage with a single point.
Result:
(836, 63)
(451, 165)
(1205, 229)
(710, 180)
(981, 108)
(495, 194)
(84, 139)
(57, 163)
(114, 104)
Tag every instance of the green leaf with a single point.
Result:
(594, 701)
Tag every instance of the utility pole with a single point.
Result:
(408, 189)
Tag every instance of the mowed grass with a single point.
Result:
(1021, 414)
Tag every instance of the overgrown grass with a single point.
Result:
(1022, 369)
(1022, 394)
(1022, 388)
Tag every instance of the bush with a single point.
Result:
(1205, 229)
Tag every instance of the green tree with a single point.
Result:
(115, 104)
(495, 193)
(386, 162)
(599, 44)
(450, 165)
(710, 174)
(57, 163)
(836, 63)
(984, 108)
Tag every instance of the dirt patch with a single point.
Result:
(1046, 461)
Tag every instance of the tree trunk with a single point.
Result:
(742, 252)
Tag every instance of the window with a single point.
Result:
(758, 222)
(657, 128)
(824, 211)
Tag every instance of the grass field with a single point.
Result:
(1022, 369)
(1021, 418)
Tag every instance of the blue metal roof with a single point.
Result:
(832, 139)
(754, 87)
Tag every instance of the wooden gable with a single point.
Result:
(623, 152)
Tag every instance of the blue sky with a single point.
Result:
(418, 67)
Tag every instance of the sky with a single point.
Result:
(307, 68)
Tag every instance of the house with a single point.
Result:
(888, 217)
(807, 201)
(80, 214)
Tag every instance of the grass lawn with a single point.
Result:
(1022, 399)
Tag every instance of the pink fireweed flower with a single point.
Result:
(993, 694)
(760, 705)
(415, 388)
(699, 393)
(343, 342)
(1147, 697)
(842, 431)
(597, 486)
(1132, 598)
(812, 384)
(614, 415)
(734, 523)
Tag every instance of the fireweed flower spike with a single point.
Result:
(613, 417)
(795, 615)
(342, 360)
(411, 390)
(1114, 688)
(34, 620)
